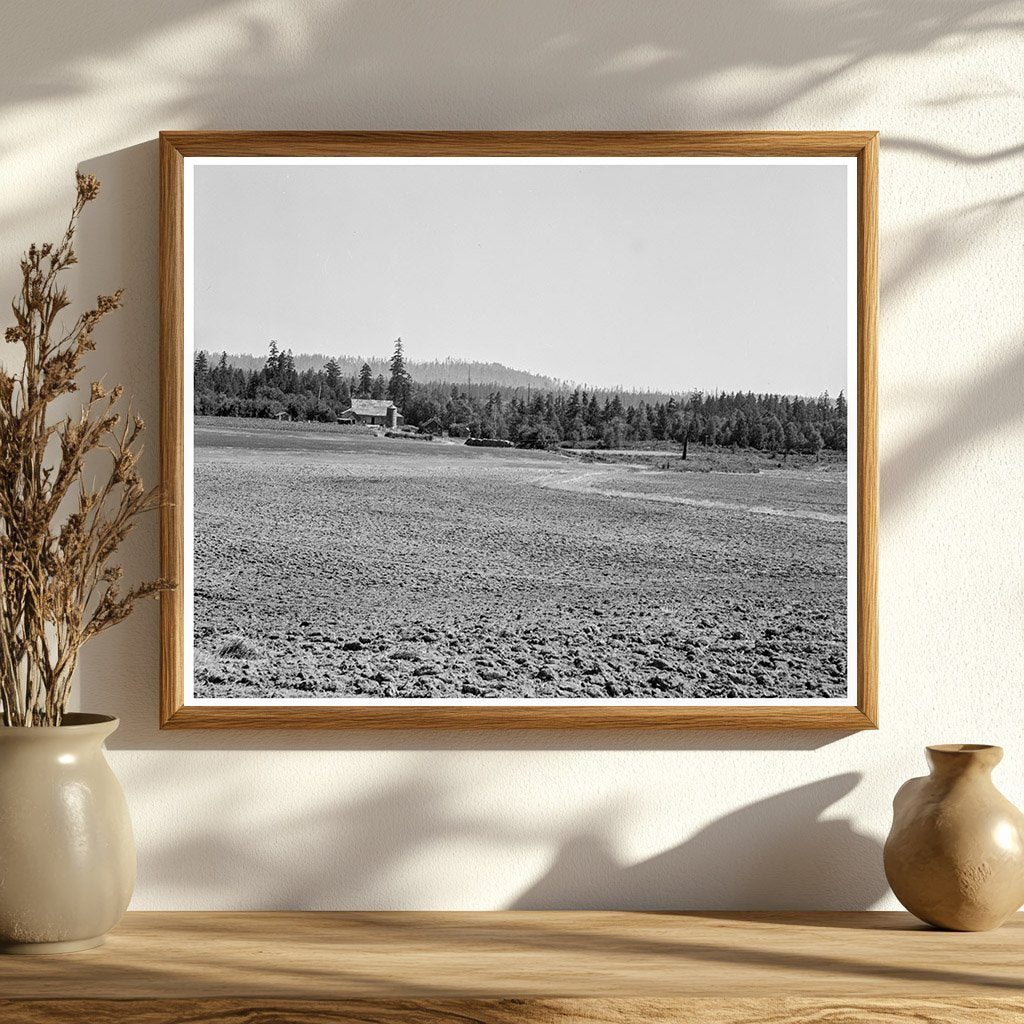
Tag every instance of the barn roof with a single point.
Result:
(370, 406)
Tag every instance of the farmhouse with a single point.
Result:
(373, 411)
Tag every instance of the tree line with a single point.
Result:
(526, 416)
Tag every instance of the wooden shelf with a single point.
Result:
(499, 968)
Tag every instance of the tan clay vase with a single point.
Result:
(67, 857)
(955, 855)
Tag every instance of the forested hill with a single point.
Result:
(438, 371)
(531, 416)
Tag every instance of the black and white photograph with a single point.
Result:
(520, 430)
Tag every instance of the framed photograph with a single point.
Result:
(519, 430)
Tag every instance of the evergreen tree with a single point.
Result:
(539, 416)
(755, 430)
(794, 437)
(574, 408)
(643, 424)
(221, 374)
(332, 372)
(740, 431)
(400, 384)
(289, 379)
(814, 441)
(661, 422)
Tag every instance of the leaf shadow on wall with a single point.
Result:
(990, 403)
(404, 845)
(324, 65)
(777, 853)
(373, 64)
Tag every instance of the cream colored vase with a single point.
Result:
(955, 855)
(67, 857)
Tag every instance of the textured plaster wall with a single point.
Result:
(483, 821)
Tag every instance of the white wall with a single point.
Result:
(340, 820)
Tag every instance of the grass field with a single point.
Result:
(334, 563)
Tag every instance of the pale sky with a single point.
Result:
(670, 277)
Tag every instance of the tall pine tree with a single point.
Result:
(400, 384)
(365, 385)
(332, 372)
(273, 363)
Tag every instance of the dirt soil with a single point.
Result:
(341, 564)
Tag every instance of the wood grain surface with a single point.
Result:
(172, 437)
(302, 143)
(524, 966)
(176, 146)
(516, 1011)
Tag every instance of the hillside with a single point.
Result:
(450, 371)
(447, 371)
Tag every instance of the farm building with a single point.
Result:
(373, 411)
(432, 426)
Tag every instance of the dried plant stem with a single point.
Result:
(58, 588)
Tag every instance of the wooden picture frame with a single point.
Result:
(177, 147)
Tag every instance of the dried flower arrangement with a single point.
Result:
(58, 588)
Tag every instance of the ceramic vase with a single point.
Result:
(955, 855)
(67, 856)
